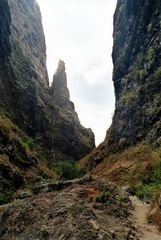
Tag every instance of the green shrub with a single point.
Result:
(151, 182)
(103, 197)
(44, 232)
(129, 96)
(69, 170)
(30, 144)
(150, 53)
(18, 203)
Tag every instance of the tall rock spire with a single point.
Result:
(59, 89)
(81, 139)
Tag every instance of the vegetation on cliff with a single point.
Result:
(133, 142)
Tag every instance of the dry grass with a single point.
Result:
(129, 165)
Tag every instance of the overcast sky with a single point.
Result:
(80, 33)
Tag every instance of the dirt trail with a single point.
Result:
(147, 230)
(70, 213)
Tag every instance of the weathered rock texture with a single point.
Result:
(137, 72)
(71, 213)
(59, 90)
(76, 140)
(42, 114)
(136, 76)
(24, 85)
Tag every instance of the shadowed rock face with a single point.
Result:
(136, 75)
(4, 32)
(24, 85)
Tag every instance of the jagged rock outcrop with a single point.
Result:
(35, 126)
(136, 76)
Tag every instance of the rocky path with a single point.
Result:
(146, 230)
(70, 213)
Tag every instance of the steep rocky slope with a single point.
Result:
(136, 126)
(34, 127)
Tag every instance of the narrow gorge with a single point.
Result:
(54, 183)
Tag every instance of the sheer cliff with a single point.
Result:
(34, 127)
(137, 72)
(137, 83)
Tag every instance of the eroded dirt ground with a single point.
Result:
(71, 213)
(146, 230)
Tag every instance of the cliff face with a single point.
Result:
(137, 83)
(137, 72)
(31, 115)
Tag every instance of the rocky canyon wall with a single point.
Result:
(38, 123)
(24, 87)
(137, 82)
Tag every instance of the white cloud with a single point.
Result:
(80, 33)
